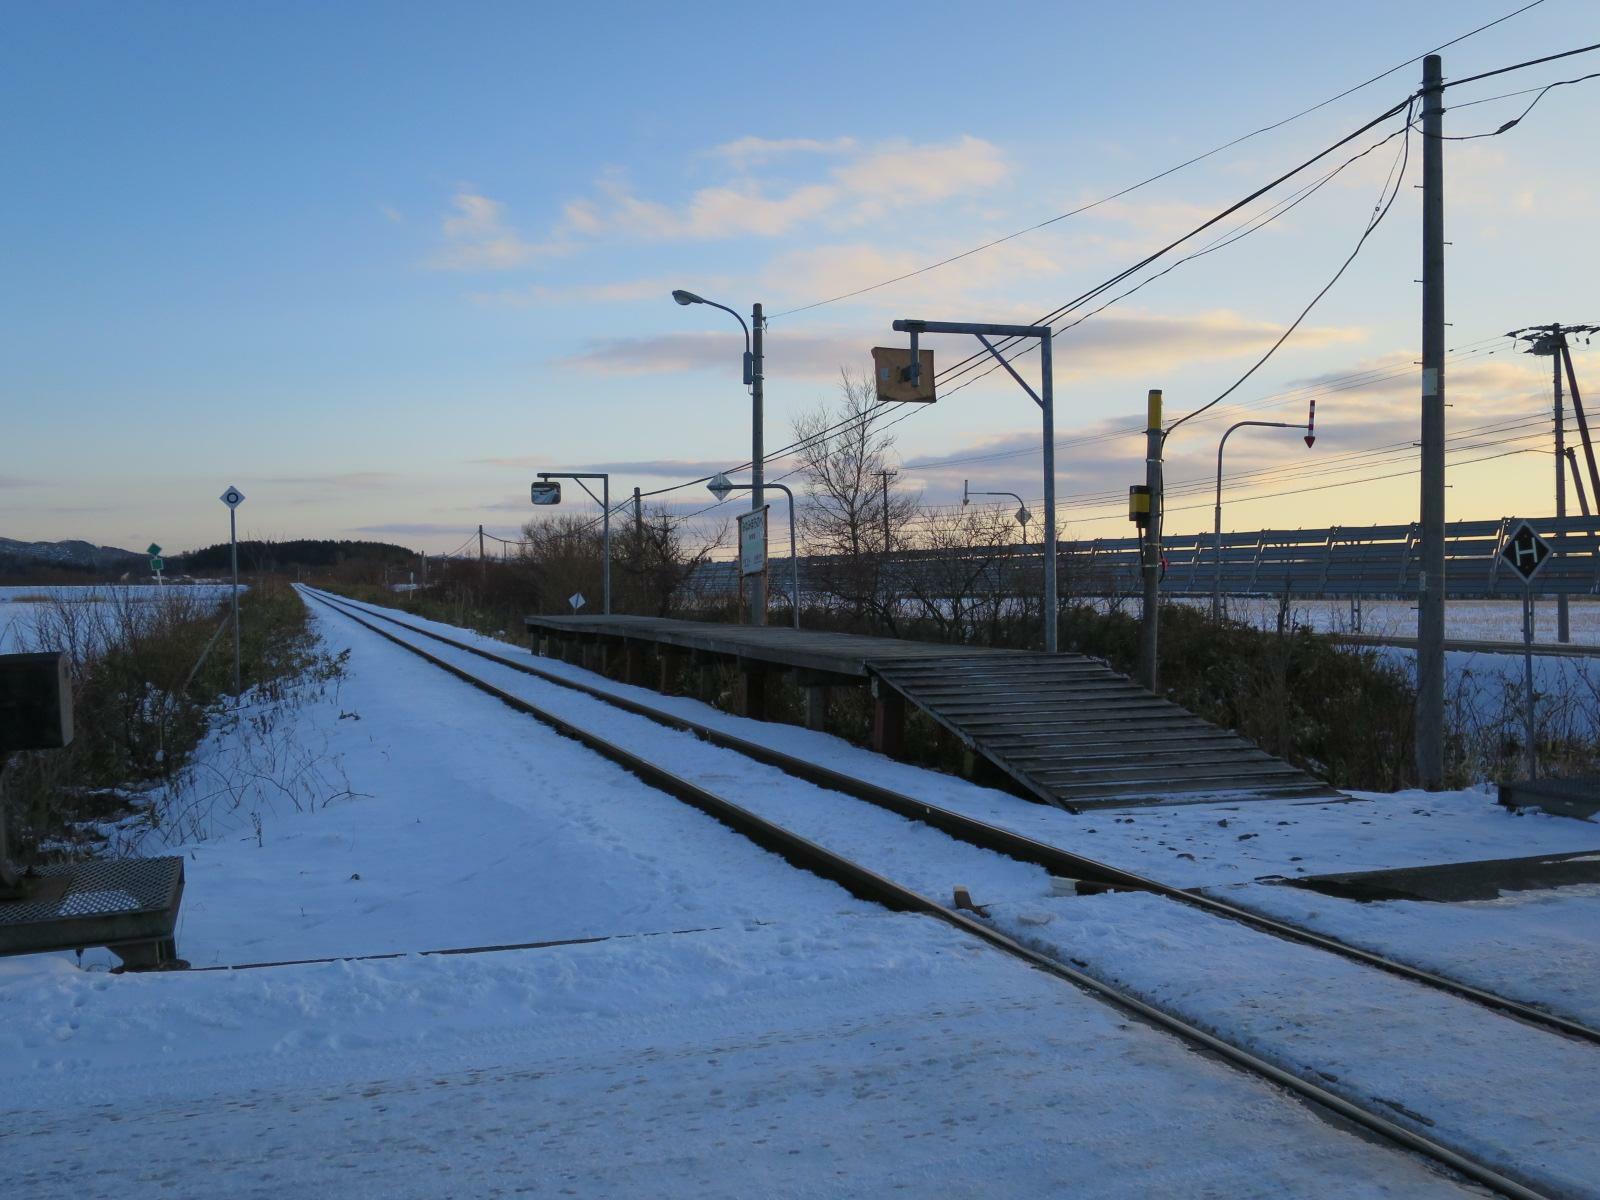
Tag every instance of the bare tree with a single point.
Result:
(844, 513)
(964, 576)
(651, 563)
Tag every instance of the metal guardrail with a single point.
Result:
(1341, 561)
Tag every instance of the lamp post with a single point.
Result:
(1216, 580)
(753, 380)
(722, 485)
(1022, 514)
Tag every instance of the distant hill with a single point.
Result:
(286, 556)
(36, 560)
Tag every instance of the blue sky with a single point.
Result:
(376, 263)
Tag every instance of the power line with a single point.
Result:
(1377, 219)
(1159, 175)
(1532, 62)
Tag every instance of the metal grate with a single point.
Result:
(98, 888)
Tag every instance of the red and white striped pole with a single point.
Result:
(1311, 425)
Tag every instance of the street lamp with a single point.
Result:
(753, 380)
(1022, 514)
(722, 485)
(1216, 581)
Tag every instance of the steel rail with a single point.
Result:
(869, 885)
(1018, 846)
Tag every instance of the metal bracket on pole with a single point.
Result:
(1010, 370)
(1045, 399)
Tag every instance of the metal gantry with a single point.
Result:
(1045, 399)
(604, 501)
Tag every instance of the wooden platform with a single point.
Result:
(842, 654)
(1065, 728)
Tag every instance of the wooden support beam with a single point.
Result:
(669, 667)
(816, 706)
(888, 721)
(633, 662)
(750, 692)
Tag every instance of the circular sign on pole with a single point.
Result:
(233, 497)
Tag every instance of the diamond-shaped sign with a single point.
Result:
(576, 600)
(720, 486)
(1525, 552)
(154, 551)
(233, 497)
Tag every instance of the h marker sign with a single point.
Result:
(1525, 552)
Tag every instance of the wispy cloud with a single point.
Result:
(477, 237)
(863, 183)
(345, 479)
(796, 354)
(753, 151)
(1131, 342)
(663, 467)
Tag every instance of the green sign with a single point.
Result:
(156, 565)
(154, 551)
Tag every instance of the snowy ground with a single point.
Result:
(796, 1042)
(1488, 620)
(1537, 946)
(68, 617)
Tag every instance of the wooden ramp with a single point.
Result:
(1074, 733)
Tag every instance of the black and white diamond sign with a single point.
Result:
(1525, 552)
(233, 497)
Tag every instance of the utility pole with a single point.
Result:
(1150, 564)
(483, 563)
(1431, 586)
(1552, 340)
(1563, 617)
(1577, 480)
(883, 478)
(758, 472)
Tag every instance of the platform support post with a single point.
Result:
(750, 694)
(888, 721)
(816, 706)
(633, 663)
(669, 666)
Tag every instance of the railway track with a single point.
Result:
(1013, 845)
(875, 887)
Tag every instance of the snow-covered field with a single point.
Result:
(1485, 620)
(747, 1029)
(62, 617)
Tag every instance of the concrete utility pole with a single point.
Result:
(638, 531)
(1431, 586)
(883, 479)
(1150, 563)
(758, 472)
(1563, 615)
(483, 562)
